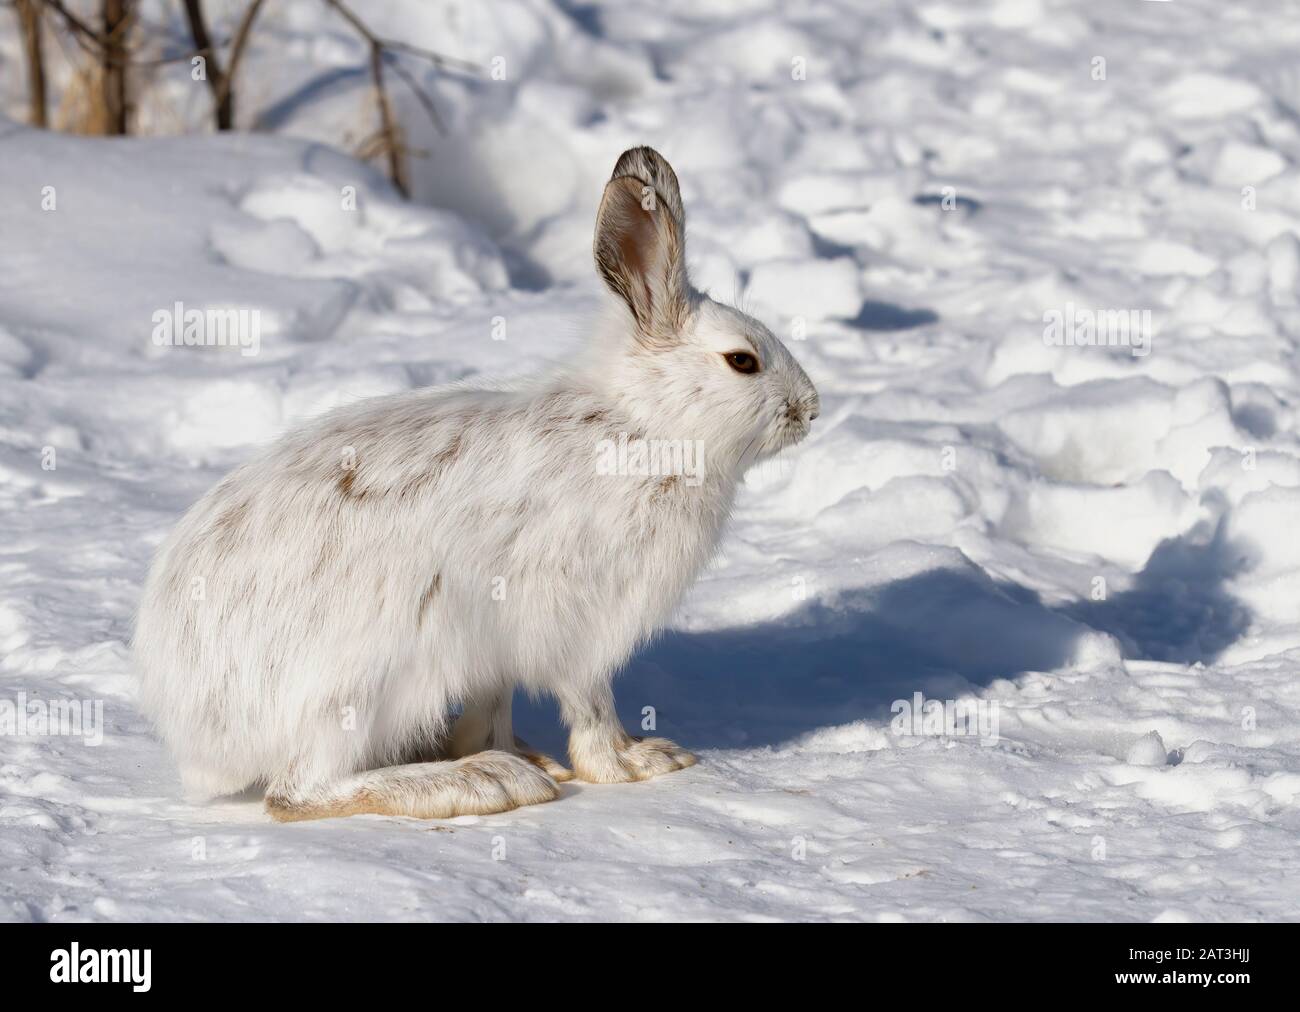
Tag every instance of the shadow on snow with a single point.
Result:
(941, 632)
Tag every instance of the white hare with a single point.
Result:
(406, 556)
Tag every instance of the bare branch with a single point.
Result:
(388, 125)
(213, 75)
(439, 60)
(423, 96)
(117, 24)
(94, 43)
(237, 48)
(382, 50)
(29, 17)
(78, 26)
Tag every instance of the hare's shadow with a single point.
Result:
(941, 632)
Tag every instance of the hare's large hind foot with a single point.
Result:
(482, 784)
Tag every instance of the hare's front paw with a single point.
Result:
(551, 767)
(486, 725)
(626, 759)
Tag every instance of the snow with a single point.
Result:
(1096, 545)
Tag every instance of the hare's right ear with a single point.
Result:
(640, 244)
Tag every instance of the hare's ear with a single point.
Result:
(640, 244)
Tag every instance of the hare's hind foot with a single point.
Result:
(482, 784)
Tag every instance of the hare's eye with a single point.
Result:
(742, 361)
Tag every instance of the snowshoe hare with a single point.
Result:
(407, 558)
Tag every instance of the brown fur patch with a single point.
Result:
(347, 485)
(361, 803)
(444, 795)
(426, 599)
(230, 522)
(448, 454)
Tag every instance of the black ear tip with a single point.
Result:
(644, 162)
(650, 168)
(642, 151)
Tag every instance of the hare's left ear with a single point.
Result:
(640, 245)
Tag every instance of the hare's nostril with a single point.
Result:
(812, 415)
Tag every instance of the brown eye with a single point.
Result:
(742, 361)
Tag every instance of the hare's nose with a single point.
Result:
(812, 415)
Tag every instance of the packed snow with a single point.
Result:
(1086, 544)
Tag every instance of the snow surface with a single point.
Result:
(945, 530)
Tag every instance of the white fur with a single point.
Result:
(347, 573)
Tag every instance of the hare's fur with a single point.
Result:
(314, 622)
